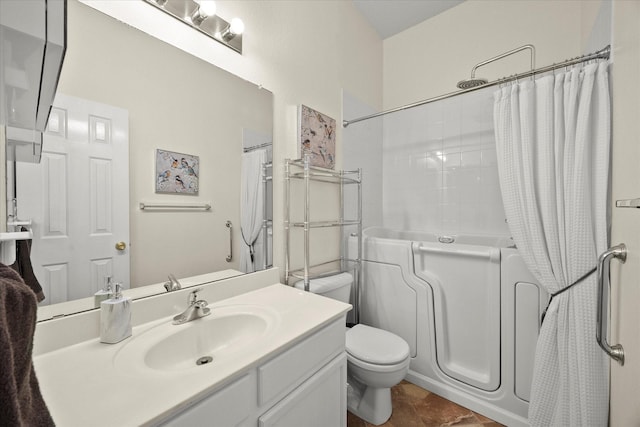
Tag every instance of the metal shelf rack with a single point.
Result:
(300, 169)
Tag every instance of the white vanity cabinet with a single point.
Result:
(292, 373)
(320, 401)
(303, 385)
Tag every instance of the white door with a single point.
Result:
(78, 199)
(625, 278)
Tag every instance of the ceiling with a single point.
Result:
(390, 17)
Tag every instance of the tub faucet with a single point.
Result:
(172, 284)
(196, 309)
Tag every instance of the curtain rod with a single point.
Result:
(256, 147)
(601, 54)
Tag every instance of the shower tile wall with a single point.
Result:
(363, 149)
(439, 168)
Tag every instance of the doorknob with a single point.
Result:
(121, 246)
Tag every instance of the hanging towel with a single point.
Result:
(21, 403)
(24, 268)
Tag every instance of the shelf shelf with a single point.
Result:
(329, 178)
(309, 174)
(319, 174)
(323, 224)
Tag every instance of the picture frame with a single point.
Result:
(317, 137)
(176, 173)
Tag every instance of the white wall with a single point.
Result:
(430, 58)
(305, 52)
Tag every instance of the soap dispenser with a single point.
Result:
(105, 293)
(115, 317)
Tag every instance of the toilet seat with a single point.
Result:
(379, 369)
(375, 348)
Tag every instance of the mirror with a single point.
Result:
(173, 102)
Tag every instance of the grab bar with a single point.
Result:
(230, 227)
(616, 352)
(491, 253)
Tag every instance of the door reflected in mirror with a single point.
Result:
(121, 87)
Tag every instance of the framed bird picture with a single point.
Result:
(317, 135)
(176, 172)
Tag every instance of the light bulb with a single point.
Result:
(237, 26)
(207, 7)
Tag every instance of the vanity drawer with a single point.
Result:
(285, 372)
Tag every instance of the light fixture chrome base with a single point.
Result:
(212, 26)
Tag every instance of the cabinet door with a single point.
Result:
(319, 402)
(228, 407)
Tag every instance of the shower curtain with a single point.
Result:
(553, 139)
(251, 207)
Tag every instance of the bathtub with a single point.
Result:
(467, 306)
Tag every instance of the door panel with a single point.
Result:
(78, 199)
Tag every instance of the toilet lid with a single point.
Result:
(374, 345)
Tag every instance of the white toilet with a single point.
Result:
(376, 359)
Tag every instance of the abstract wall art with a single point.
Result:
(317, 134)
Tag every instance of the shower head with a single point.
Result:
(478, 81)
(472, 82)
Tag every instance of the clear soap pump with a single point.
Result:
(115, 317)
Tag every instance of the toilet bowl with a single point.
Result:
(376, 359)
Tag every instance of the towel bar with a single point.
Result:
(173, 206)
(17, 235)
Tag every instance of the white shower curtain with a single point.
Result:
(553, 139)
(251, 206)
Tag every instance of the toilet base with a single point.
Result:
(368, 403)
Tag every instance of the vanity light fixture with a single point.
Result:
(205, 9)
(235, 28)
(201, 16)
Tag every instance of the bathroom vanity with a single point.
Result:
(267, 355)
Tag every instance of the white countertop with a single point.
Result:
(82, 386)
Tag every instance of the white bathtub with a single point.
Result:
(467, 306)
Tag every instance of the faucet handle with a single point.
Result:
(172, 284)
(193, 296)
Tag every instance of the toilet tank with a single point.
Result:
(336, 286)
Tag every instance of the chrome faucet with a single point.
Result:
(196, 309)
(172, 284)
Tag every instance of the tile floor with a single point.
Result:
(416, 407)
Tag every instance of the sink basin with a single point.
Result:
(212, 340)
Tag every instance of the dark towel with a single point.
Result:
(24, 268)
(21, 403)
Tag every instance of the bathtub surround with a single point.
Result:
(553, 142)
(439, 167)
(469, 311)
